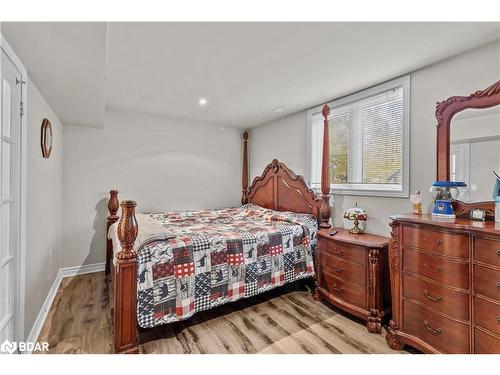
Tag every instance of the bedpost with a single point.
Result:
(325, 170)
(125, 290)
(244, 177)
(113, 206)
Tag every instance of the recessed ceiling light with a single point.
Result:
(202, 102)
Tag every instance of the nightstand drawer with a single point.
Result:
(450, 272)
(346, 252)
(350, 272)
(348, 292)
(437, 242)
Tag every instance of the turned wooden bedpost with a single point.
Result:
(125, 291)
(113, 206)
(244, 175)
(325, 170)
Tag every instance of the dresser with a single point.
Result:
(352, 274)
(445, 282)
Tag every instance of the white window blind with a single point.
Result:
(369, 141)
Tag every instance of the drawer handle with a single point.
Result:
(338, 252)
(339, 270)
(439, 242)
(432, 298)
(498, 319)
(498, 285)
(435, 331)
(498, 252)
(439, 268)
(340, 290)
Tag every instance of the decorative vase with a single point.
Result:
(355, 220)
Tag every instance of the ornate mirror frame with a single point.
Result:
(445, 111)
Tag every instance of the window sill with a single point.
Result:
(366, 192)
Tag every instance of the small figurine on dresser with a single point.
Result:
(416, 200)
(355, 220)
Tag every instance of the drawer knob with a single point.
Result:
(439, 242)
(498, 252)
(498, 285)
(338, 252)
(339, 290)
(432, 298)
(338, 270)
(498, 319)
(435, 331)
(439, 268)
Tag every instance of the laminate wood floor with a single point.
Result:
(286, 320)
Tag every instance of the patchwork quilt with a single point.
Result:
(219, 256)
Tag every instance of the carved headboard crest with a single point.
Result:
(281, 189)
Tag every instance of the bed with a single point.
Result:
(167, 266)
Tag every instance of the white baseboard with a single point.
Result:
(81, 270)
(63, 272)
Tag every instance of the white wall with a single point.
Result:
(162, 163)
(43, 206)
(286, 138)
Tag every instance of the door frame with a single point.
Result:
(20, 303)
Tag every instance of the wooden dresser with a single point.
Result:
(352, 274)
(445, 281)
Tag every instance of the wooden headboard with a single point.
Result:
(280, 189)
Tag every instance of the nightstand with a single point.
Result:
(352, 274)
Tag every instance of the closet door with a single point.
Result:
(10, 155)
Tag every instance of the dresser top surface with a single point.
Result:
(365, 239)
(487, 227)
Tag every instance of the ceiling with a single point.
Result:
(67, 62)
(244, 70)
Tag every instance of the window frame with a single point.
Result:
(366, 189)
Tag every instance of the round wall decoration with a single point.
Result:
(46, 138)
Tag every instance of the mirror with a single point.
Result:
(475, 152)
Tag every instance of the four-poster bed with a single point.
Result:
(278, 219)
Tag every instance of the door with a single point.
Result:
(459, 167)
(10, 190)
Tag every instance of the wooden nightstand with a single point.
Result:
(352, 273)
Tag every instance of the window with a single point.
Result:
(369, 141)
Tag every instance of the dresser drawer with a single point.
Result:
(450, 272)
(447, 301)
(487, 282)
(349, 253)
(485, 343)
(442, 333)
(351, 272)
(487, 251)
(487, 314)
(437, 242)
(348, 292)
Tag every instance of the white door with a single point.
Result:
(459, 167)
(10, 156)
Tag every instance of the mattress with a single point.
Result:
(195, 260)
